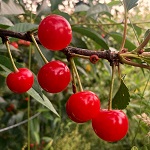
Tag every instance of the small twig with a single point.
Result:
(20, 123)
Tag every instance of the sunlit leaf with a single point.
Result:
(122, 97)
(81, 7)
(134, 148)
(97, 9)
(5, 22)
(10, 8)
(92, 35)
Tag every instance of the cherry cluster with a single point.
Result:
(54, 33)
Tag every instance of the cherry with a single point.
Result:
(20, 81)
(23, 42)
(14, 44)
(54, 32)
(10, 108)
(110, 125)
(71, 115)
(54, 76)
(82, 106)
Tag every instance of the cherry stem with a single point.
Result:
(125, 27)
(111, 88)
(74, 87)
(76, 73)
(80, 56)
(10, 55)
(29, 109)
(38, 48)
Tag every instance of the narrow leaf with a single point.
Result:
(97, 9)
(46, 102)
(130, 4)
(122, 97)
(118, 37)
(10, 8)
(92, 35)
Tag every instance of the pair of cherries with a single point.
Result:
(54, 33)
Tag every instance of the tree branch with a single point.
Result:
(114, 57)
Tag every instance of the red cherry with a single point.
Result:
(54, 32)
(71, 115)
(110, 125)
(20, 81)
(14, 44)
(82, 106)
(54, 76)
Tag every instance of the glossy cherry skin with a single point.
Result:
(20, 81)
(55, 32)
(54, 76)
(71, 115)
(110, 125)
(82, 106)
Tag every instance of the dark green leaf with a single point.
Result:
(118, 37)
(54, 4)
(97, 9)
(23, 27)
(78, 42)
(92, 35)
(122, 97)
(10, 8)
(130, 4)
(5, 61)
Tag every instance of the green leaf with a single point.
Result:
(78, 42)
(10, 8)
(118, 37)
(122, 97)
(92, 35)
(5, 22)
(43, 9)
(46, 102)
(23, 27)
(5, 61)
(55, 3)
(113, 3)
(130, 4)
(4, 49)
(146, 33)
(98, 9)
(136, 28)
(82, 7)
